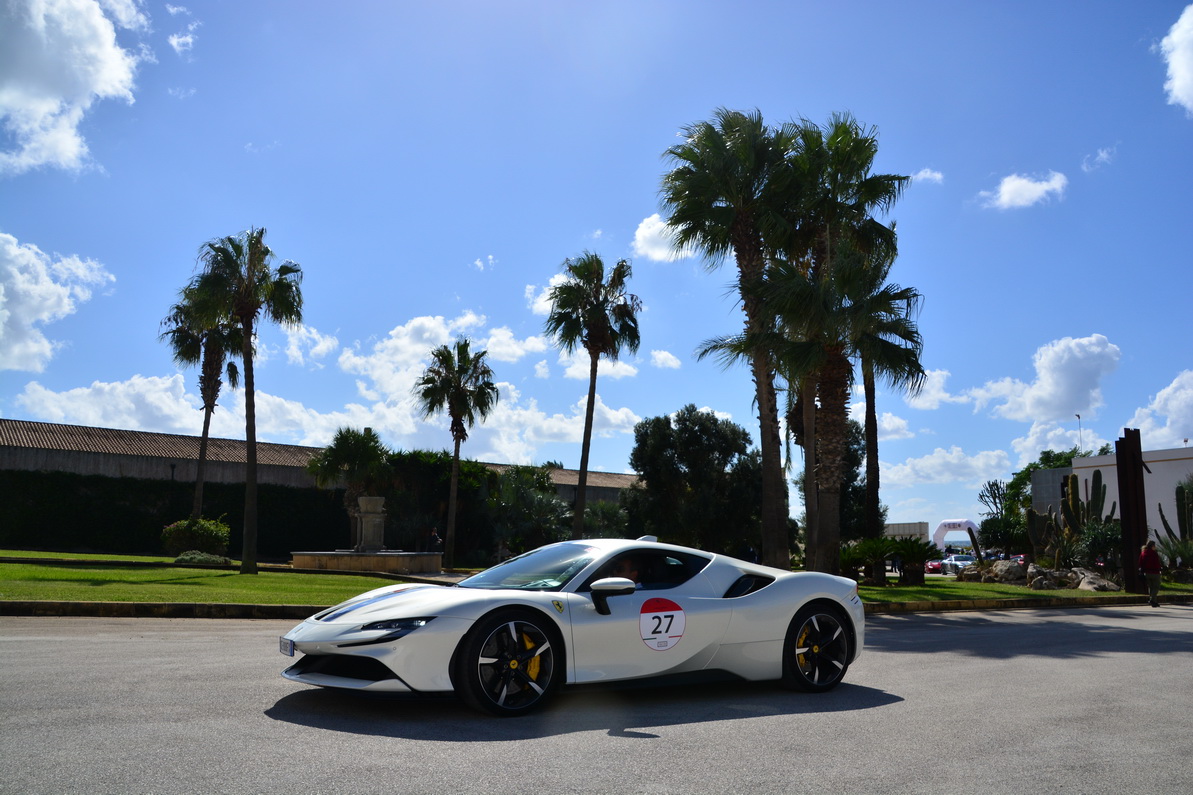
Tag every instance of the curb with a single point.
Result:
(1126, 600)
(156, 610)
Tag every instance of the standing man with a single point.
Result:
(1149, 567)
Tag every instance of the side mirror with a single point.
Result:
(610, 586)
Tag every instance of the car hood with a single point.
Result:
(408, 600)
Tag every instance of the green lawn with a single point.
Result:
(115, 583)
(21, 581)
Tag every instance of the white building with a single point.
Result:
(1164, 469)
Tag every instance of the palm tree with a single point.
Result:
(208, 344)
(727, 194)
(824, 324)
(890, 349)
(597, 313)
(831, 198)
(237, 280)
(362, 461)
(459, 382)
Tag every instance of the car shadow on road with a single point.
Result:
(1055, 634)
(621, 712)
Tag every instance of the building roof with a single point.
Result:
(85, 439)
(111, 441)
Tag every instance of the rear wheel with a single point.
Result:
(509, 664)
(816, 651)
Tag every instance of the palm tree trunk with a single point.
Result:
(248, 555)
(449, 537)
(811, 502)
(585, 448)
(201, 466)
(832, 442)
(775, 549)
(874, 528)
(747, 249)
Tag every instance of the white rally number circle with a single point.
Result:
(661, 623)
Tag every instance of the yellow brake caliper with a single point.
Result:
(532, 667)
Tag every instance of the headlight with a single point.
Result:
(403, 625)
(393, 628)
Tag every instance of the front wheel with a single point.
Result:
(509, 664)
(816, 651)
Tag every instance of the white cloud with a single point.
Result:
(1177, 49)
(1168, 419)
(142, 403)
(1054, 436)
(176, 10)
(927, 175)
(576, 365)
(654, 240)
(539, 300)
(1068, 381)
(1102, 157)
(1018, 190)
(305, 343)
(485, 263)
(933, 393)
(127, 13)
(183, 43)
(36, 290)
(947, 466)
(664, 360)
(59, 59)
(891, 427)
(396, 362)
(503, 346)
(541, 370)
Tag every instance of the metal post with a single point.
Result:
(1129, 468)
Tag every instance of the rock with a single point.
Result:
(1007, 571)
(1042, 583)
(1093, 581)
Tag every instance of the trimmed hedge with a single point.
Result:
(60, 511)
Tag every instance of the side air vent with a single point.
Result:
(747, 584)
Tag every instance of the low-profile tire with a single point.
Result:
(817, 649)
(510, 663)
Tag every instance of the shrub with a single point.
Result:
(201, 535)
(205, 558)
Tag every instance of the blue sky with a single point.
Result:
(431, 165)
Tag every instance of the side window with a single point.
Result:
(667, 570)
(652, 569)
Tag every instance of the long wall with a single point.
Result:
(148, 467)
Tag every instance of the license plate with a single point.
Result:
(286, 646)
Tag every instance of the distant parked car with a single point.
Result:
(932, 567)
(1020, 559)
(955, 563)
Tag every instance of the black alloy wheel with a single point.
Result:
(816, 651)
(509, 664)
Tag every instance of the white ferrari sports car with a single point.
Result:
(597, 610)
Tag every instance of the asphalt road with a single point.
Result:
(1057, 701)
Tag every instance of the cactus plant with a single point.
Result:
(1184, 514)
(1180, 543)
(1077, 513)
(1041, 531)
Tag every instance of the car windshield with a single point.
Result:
(544, 569)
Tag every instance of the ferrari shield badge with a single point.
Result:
(558, 605)
(661, 623)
